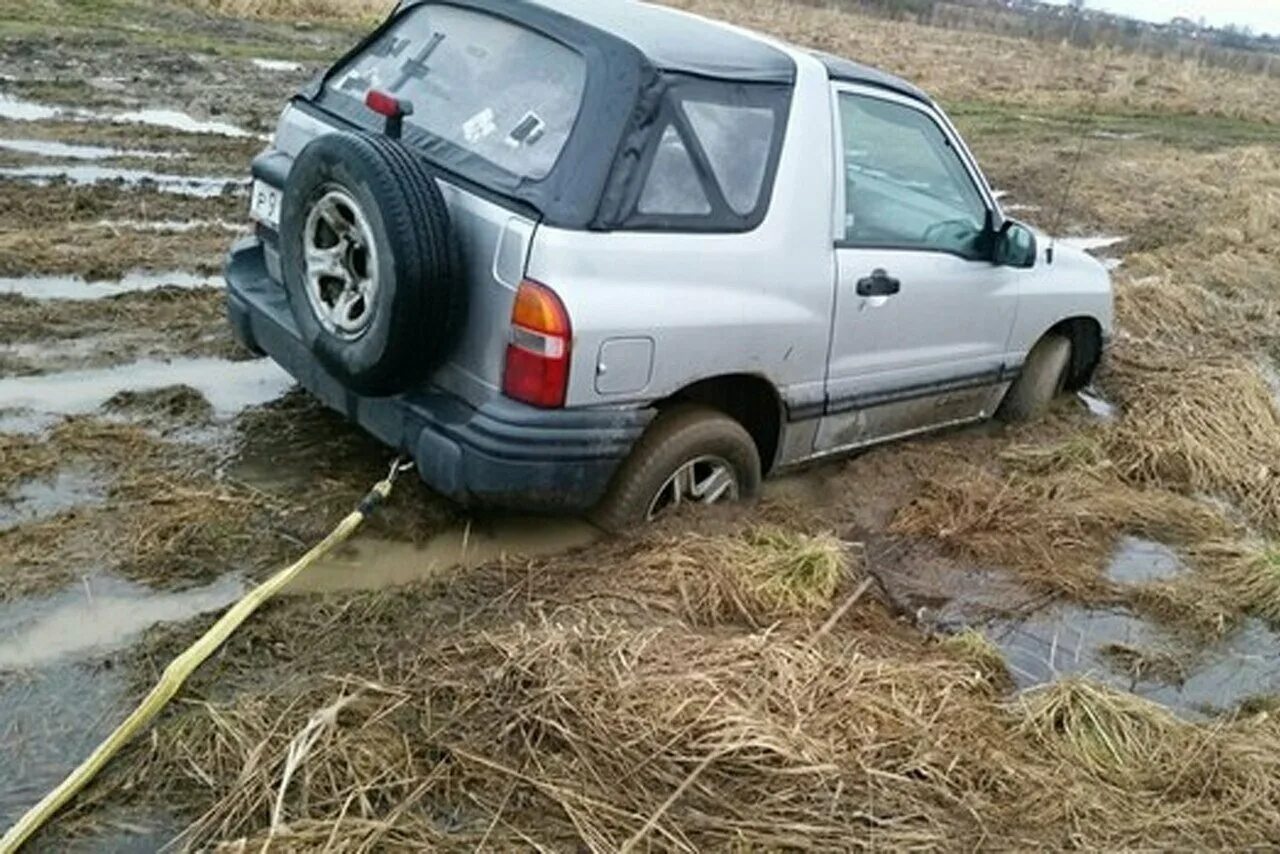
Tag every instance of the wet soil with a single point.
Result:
(150, 470)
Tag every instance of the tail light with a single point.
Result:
(537, 368)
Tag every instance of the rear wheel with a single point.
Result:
(690, 455)
(1043, 376)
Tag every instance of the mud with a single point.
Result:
(19, 109)
(375, 564)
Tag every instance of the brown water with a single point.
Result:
(369, 563)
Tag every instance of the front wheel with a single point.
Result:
(690, 455)
(1042, 379)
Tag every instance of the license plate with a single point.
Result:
(265, 204)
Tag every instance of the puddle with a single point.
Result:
(1019, 208)
(174, 226)
(77, 288)
(1098, 406)
(60, 691)
(1043, 641)
(1111, 134)
(201, 186)
(372, 564)
(67, 151)
(29, 404)
(102, 615)
(1091, 244)
(1139, 561)
(19, 109)
(276, 64)
(1116, 647)
(43, 497)
(178, 120)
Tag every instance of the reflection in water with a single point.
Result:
(27, 404)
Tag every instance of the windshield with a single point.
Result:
(492, 88)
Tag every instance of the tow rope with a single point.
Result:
(176, 674)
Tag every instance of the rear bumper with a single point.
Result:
(500, 453)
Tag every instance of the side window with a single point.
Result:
(673, 186)
(905, 185)
(737, 141)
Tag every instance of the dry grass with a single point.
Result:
(1250, 570)
(561, 726)
(1203, 427)
(1014, 71)
(1056, 522)
(363, 11)
(759, 575)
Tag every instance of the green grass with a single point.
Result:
(982, 120)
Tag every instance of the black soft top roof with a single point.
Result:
(839, 68)
(679, 42)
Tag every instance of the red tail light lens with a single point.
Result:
(537, 368)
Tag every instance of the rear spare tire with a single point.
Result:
(369, 264)
(690, 455)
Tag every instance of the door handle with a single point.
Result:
(878, 284)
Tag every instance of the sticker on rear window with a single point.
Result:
(479, 126)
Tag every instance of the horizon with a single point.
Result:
(1219, 13)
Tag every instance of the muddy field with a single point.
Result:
(1061, 635)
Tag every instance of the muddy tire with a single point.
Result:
(369, 262)
(1042, 379)
(690, 454)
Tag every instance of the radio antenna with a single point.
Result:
(1086, 122)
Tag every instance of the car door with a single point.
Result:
(922, 317)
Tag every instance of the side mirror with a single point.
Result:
(1015, 246)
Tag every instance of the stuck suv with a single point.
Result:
(597, 254)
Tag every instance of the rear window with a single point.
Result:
(486, 86)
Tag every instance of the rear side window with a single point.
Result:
(737, 141)
(489, 87)
(711, 165)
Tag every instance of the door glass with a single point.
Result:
(905, 185)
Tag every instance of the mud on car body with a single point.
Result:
(595, 254)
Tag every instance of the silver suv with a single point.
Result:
(597, 254)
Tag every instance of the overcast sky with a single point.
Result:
(1262, 15)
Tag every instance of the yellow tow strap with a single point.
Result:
(185, 664)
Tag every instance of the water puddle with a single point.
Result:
(374, 564)
(68, 151)
(173, 226)
(77, 288)
(1044, 641)
(1119, 648)
(102, 615)
(1098, 406)
(177, 120)
(1094, 244)
(19, 110)
(61, 692)
(276, 64)
(1139, 561)
(44, 497)
(30, 404)
(22, 110)
(200, 186)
